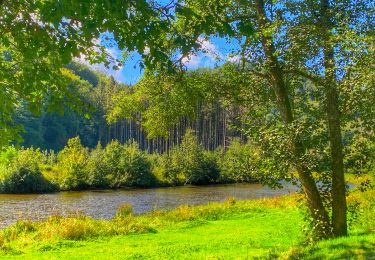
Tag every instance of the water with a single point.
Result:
(103, 204)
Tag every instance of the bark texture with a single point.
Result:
(339, 208)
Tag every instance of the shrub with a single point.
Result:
(96, 168)
(187, 163)
(71, 164)
(240, 163)
(111, 166)
(7, 154)
(137, 169)
(210, 167)
(166, 168)
(20, 173)
(126, 165)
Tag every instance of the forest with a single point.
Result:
(229, 93)
(214, 124)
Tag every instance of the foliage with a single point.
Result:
(240, 163)
(187, 163)
(126, 165)
(37, 39)
(20, 172)
(52, 129)
(71, 163)
(97, 169)
(137, 170)
(360, 155)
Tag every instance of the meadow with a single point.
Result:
(262, 229)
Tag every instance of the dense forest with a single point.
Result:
(214, 125)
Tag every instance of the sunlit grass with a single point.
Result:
(265, 228)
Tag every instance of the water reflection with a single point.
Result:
(103, 204)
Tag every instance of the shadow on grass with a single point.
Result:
(357, 247)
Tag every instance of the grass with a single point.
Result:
(353, 247)
(263, 229)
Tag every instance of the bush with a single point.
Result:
(187, 163)
(240, 163)
(71, 164)
(125, 166)
(197, 166)
(20, 173)
(137, 169)
(97, 169)
(210, 167)
(166, 168)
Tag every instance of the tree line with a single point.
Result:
(214, 124)
(116, 165)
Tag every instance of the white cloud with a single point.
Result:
(234, 58)
(192, 61)
(114, 53)
(210, 50)
(208, 54)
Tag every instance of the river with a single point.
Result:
(103, 204)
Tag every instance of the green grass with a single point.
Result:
(258, 234)
(352, 247)
(260, 229)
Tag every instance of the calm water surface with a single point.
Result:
(103, 204)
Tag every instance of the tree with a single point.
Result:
(295, 71)
(38, 38)
(339, 34)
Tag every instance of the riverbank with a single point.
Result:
(102, 204)
(265, 228)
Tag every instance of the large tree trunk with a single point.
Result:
(339, 223)
(314, 200)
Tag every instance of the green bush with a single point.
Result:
(71, 165)
(166, 167)
(112, 167)
(20, 172)
(137, 169)
(97, 169)
(117, 165)
(187, 163)
(240, 163)
(210, 167)
(124, 166)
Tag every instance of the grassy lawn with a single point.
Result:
(258, 234)
(265, 229)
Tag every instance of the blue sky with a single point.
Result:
(216, 51)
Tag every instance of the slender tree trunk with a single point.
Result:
(314, 200)
(339, 207)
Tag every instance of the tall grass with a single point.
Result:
(77, 227)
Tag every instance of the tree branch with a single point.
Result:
(316, 79)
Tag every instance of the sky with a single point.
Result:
(216, 52)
